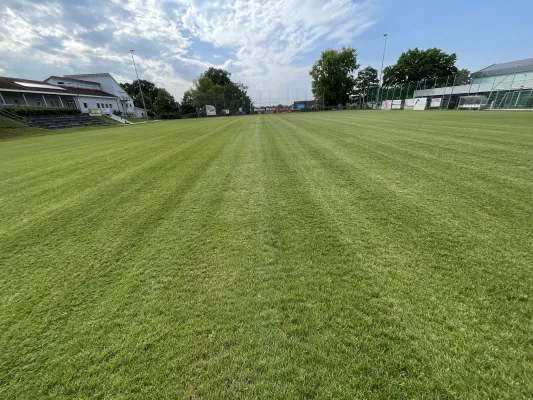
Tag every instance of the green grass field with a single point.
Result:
(352, 255)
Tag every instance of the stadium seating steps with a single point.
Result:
(64, 121)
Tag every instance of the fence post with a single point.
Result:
(451, 94)
(528, 97)
(470, 88)
(480, 80)
(511, 87)
(445, 90)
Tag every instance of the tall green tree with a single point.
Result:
(367, 80)
(333, 76)
(463, 77)
(215, 87)
(165, 103)
(149, 90)
(416, 65)
(138, 101)
(218, 76)
(188, 103)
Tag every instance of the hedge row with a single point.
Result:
(169, 116)
(39, 111)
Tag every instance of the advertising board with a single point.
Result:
(420, 104)
(95, 112)
(210, 110)
(386, 105)
(409, 104)
(435, 103)
(397, 104)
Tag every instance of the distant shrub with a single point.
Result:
(170, 116)
(190, 115)
(41, 111)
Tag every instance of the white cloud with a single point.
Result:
(271, 35)
(266, 42)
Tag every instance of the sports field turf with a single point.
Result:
(330, 255)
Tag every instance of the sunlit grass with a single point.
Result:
(328, 255)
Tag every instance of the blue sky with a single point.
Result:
(266, 44)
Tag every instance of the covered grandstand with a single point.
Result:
(506, 85)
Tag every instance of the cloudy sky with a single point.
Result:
(267, 44)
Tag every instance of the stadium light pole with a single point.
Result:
(382, 62)
(139, 82)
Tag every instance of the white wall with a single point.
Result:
(109, 85)
(94, 102)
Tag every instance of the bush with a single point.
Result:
(41, 111)
(190, 115)
(170, 116)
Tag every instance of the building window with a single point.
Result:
(38, 103)
(98, 105)
(15, 102)
(60, 83)
(85, 105)
(111, 106)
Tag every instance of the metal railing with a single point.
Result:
(10, 115)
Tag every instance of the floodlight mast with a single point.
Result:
(139, 82)
(382, 62)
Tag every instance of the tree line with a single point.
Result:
(158, 100)
(214, 87)
(334, 80)
(334, 76)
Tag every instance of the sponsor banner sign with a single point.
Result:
(386, 105)
(210, 110)
(265, 110)
(435, 103)
(410, 103)
(397, 104)
(420, 104)
(95, 112)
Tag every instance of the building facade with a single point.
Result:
(109, 85)
(59, 92)
(505, 85)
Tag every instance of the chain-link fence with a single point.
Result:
(506, 88)
(492, 89)
(264, 101)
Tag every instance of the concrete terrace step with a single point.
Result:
(64, 121)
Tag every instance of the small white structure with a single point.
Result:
(140, 112)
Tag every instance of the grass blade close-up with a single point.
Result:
(352, 255)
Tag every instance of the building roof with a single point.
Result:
(66, 78)
(27, 85)
(90, 92)
(510, 67)
(89, 75)
(95, 75)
